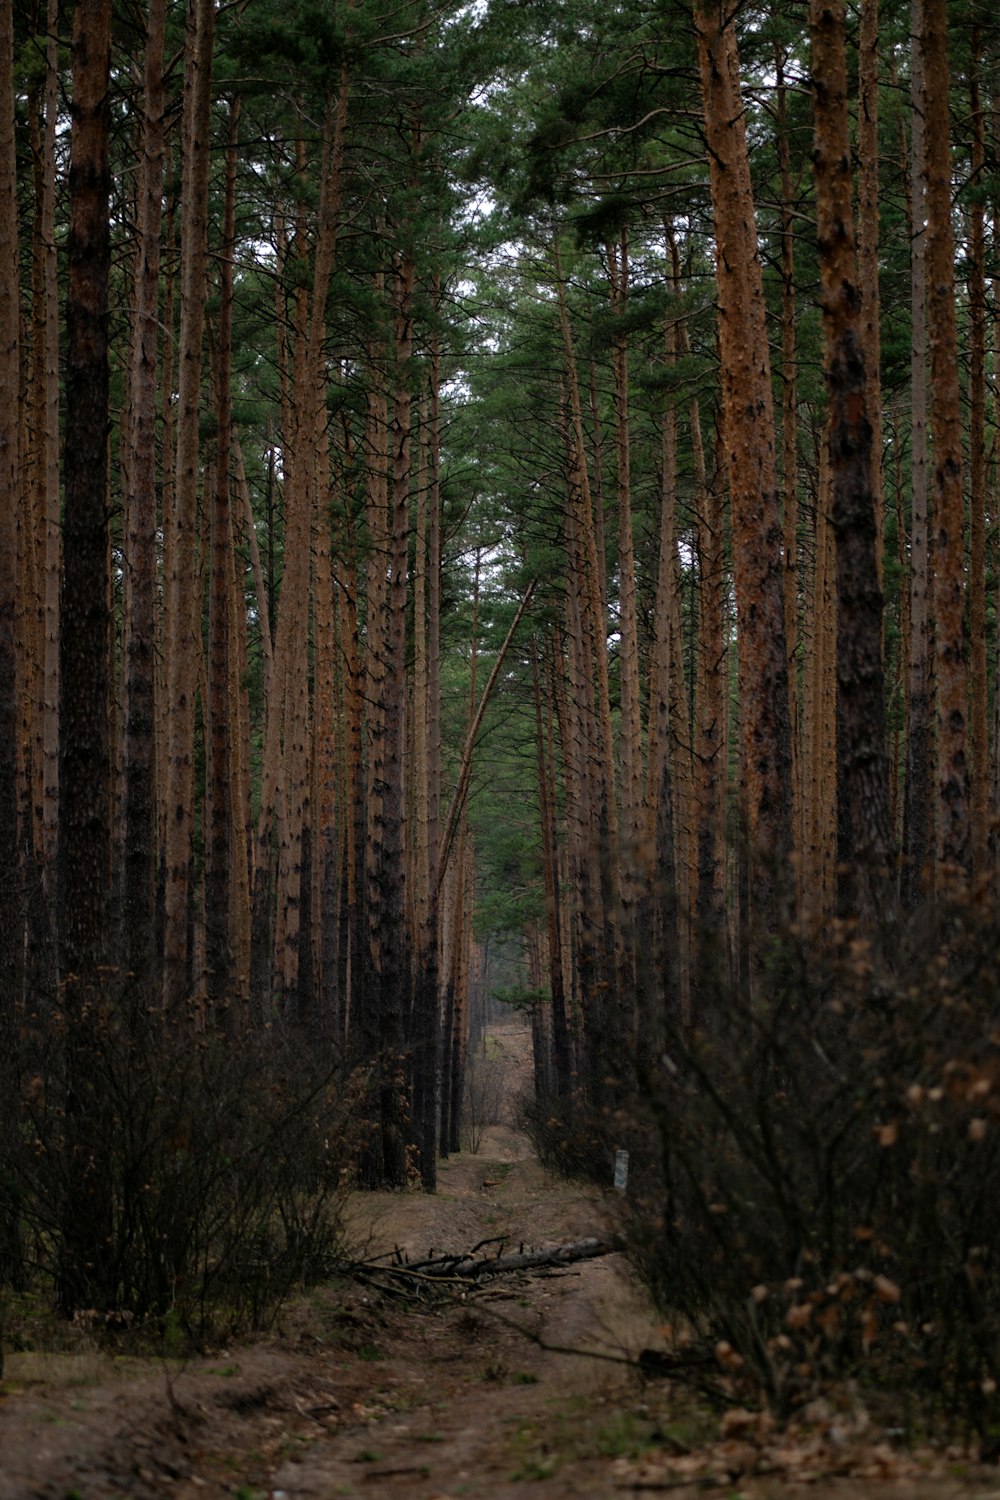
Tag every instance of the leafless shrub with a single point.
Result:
(812, 1199)
(487, 1089)
(823, 1206)
(224, 1159)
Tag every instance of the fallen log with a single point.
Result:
(477, 1267)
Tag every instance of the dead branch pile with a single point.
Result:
(449, 1276)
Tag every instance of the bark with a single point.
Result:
(183, 628)
(365, 1028)
(323, 754)
(978, 672)
(388, 999)
(353, 881)
(711, 732)
(954, 848)
(918, 821)
(290, 724)
(868, 252)
(428, 1054)
(561, 1056)
(30, 522)
(394, 991)
(168, 372)
(789, 446)
(659, 986)
(220, 832)
(748, 426)
(611, 997)
(39, 550)
(11, 930)
(820, 720)
(426, 1024)
(52, 493)
(863, 771)
(139, 833)
(239, 783)
(84, 736)
(628, 625)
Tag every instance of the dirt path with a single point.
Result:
(355, 1395)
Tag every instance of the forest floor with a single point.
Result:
(355, 1394)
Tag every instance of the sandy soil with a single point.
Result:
(357, 1395)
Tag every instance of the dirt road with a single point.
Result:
(355, 1394)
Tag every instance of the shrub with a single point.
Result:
(223, 1159)
(486, 1087)
(818, 1197)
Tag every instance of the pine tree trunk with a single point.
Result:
(789, 448)
(863, 771)
(11, 921)
(659, 983)
(50, 563)
(628, 650)
(239, 785)
(611, 998)
(748, 425)
(951, 668)
(183, 639)
(978, 679)
(921, 756)
(85, 668)
(291, 726)
(560, 1080)
(220, 832)
(819, 717)
(353, 957)
(323, 755)
(868, 252)
(139, 833)
(426, 1025)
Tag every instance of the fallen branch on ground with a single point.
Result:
(470, 1269)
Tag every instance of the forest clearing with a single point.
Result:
(499, 521)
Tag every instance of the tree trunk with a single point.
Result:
(748, 425)
(921, 759)
(979, 687)
(139, 834)
(11, 920)
(561, 1056)
(611, 1001)
(863, 773)
(85, 674)
(789, 449)
(628, 649)
(951, 669)
(868, 252)
(183, 635)
(220, 831)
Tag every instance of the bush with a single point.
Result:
(819, 1195)
(223, 1162)
(486, 1087)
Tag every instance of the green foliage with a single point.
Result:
(522, 999)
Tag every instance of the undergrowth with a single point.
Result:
(222, 1161)
(813, 1200)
